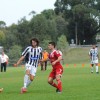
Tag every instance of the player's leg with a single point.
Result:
(31, 76)
(5, 67)
(30, 79)
(50, 81)
(92, 68)
(58, 79)
(41, 66)
(51, 78)
(96, 64)
(45, 65)
(1, 67)
(97, 69)
(26, 77)
(92, 64)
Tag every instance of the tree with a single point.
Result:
(62, 43)
(2, 37)
(23, 33)
(80, 14)
(2, 24)
(49, 14)
(45, 42)
(38, 26)
(14, 53)
(61, 25)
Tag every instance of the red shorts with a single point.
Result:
(55, 72)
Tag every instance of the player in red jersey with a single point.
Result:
(56, 73)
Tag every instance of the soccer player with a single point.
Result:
(56, 73)
(93, 53)
(34, 55)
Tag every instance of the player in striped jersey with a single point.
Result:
(93, 53)
(33, 55)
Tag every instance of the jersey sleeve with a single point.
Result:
(41, 55)
(25, 52)
(90, 52)
(57, 54)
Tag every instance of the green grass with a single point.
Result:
(78, 84)
(76, 55)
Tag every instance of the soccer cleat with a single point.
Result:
(1, 89)
(97, 72)
(23, 90)
(58, 91)
(92, 72)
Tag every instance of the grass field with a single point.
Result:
(78, 84)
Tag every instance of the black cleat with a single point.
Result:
(58, 91)
(97, 72)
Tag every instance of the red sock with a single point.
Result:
(59, 84)
(54, 85)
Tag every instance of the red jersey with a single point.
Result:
(53, 56)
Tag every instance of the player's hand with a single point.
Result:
(41, 60)
(15, 65)
(53, 63)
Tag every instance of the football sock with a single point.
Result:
(96, 68)
(59, 84)
(25, 80)
(28, 82)
(91, 68)
(54, 85)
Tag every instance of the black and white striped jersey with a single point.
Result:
(32, 55)
(94, 54)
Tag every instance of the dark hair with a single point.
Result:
(34, 39)
(53, 43)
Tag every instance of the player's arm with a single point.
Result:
(20, 60)
(58, 60)
(98, 56)
(22, 57)
(41, 56)
(90, 55)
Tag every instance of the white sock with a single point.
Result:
(96, 68)
(25, 80)
(28, 82)
(92, 69)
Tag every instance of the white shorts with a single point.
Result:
(94, 61)
(32, 69)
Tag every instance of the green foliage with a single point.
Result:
(62, 43)
(83, 12)
(44, 43)
(2, 37)
(14, 53)
(49, 14)
(10, 39)
(61, 25)
(38, 27)
(2, 24)
(51, 25)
